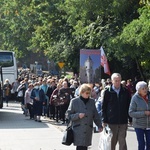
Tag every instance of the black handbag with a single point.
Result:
(68, 137)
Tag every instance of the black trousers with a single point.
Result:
(63, 110)
(57, 113)
(52, 111)
(81, 148)
(30, 107)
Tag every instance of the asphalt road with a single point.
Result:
(18, 132)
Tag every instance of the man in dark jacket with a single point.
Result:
(115, 105)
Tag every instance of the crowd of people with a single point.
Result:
(42, 96)
(118, 103)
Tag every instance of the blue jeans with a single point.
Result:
(143, 137)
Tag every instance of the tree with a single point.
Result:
(60, 28)
(17, 26)
(135, 40)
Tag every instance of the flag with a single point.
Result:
(104, 62)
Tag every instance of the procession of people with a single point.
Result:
(120, 104)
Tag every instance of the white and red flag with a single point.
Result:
(104, 62)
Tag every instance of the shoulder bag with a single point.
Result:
(68, 137)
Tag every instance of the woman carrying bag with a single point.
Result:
(82, 112)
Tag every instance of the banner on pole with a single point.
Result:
(104, 62)
(90, 68)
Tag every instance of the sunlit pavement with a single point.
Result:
(20, 133)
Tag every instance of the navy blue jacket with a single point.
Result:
(42, 97)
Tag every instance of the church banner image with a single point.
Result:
(90, 69)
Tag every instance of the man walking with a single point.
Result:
(115, 105)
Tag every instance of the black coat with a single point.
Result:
(50, 91)
(115, 108)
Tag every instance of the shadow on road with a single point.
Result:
(12, 118)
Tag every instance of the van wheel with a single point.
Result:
(1, 106)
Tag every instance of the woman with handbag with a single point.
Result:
(55, 101)
(82, 112)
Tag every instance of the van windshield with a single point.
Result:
(6, 59)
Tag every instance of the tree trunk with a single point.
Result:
(140, 69)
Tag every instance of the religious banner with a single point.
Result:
(104, 62)
(90, 66)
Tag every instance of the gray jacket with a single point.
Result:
(137, 109)
(83, 128)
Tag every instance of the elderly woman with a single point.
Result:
(82, 112)
(38, 97)
(139, 110)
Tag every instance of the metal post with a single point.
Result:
(1, 75)
(36, 65)
(48, 63)
(1, 88)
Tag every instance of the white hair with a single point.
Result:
(140, 85)
(6, 80)
(114, 75)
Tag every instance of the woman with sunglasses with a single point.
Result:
(82, 112)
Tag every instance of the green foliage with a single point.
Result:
(16, 29)
(135, 38)
(60, 28)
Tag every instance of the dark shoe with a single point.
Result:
(39, 121)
